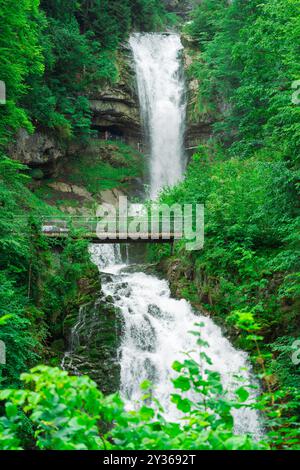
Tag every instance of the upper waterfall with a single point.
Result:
(161, 89)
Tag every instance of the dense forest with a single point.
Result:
(244, 57)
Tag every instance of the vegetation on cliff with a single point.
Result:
(59, 49)
(246, 58)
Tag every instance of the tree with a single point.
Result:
(20, 55)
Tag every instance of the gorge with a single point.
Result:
(154, 329)
(149, 346)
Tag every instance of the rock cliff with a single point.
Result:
(199, 122)
(115, 108)
(180, 7)
(41, 149)
(115, 117)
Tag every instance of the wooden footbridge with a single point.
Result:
(141, 230)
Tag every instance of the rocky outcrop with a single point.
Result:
(180, 7)
(71, 188)
(116, 108)
(94, 344)
(89, 330)
(115, 116)
(69, 193)
(199, 121)
(36, 150)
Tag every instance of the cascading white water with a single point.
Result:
(157, 332)
(161, 91)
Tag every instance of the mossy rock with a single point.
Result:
(37, 174)
(95, 352)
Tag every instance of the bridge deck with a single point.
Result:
(88, 229)
(120, 237)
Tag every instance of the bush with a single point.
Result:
(70, 413)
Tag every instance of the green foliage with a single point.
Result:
(61, 52)
(205, 20)
(244, 321)
(70, 413)
(36, 287)
(64, 410)
(53, 57)
(111, 22)
(59, 289)
(245, 59)
(79, 43)
(282, 365)
(20, 55)
(16, 254)
(73, 61)
(248, 63)
(106, 165)
(15, 333)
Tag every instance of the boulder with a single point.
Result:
(111, 196)
(38, 149)
(94, 345)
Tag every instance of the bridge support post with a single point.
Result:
(172, 248)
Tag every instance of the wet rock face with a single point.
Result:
(143, 335)
(197, 133)
(116, 107)
(94, 345)
(155, 311)
(198, 123)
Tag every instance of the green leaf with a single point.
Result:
(11, 410)
(242, 394)
(146, 385)
(177, 366)
(146, 413)
(182, 383)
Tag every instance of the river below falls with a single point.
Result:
(156, 332)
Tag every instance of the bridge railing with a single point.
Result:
(172, 226)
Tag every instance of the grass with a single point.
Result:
(106, 165)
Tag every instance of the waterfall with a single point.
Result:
(156, 332)
(161, 90)
(155, 327)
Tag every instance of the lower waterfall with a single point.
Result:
(156, 332)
